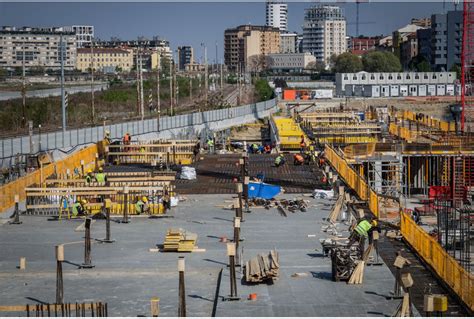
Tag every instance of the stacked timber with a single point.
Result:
(178, 240)
(263, 268)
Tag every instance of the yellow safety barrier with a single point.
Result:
(429, 121)
(446, 267)
(402, 132)
(17, 187)
(353, 179)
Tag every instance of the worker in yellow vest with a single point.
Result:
(100, 177)
(141, 205)
(78, 208)
(89, 177)
(364, 229)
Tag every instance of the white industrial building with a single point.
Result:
(396, 84)
(289, 61)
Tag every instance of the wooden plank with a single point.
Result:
(90, 189)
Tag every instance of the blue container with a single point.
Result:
(263, 190)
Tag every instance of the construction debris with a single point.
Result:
(263, 268)
(343, 261)
(179, 240)
(287, 204)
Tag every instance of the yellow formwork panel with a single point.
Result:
(289, 133)
(17, 187)
(448, 269)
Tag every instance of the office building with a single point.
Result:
(446, 41)
(277, 15)
(288, 43)
(185, 56)
(296, 62)
(244, 41)
(104, 60)
(424, 43)
(40, 47)
(324, 32)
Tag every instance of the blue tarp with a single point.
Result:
(263, 190)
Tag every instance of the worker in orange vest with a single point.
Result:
(302, 144)
(298, 159)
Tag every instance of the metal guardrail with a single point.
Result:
(62, 140)
(446, 267)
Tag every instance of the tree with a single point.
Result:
(456, 68)
(165, 66)
(378, 61)
(419, 64)
(257, 63)
(347, 63)
(263, 90)
(317, 66)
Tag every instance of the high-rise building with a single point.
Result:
(277, 15)
(40, 47)
(446, 40)
(185, 56)
(244, 41)
(424, 43)
(324, 32)
(288, 43)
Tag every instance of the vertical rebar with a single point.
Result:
(87, 245)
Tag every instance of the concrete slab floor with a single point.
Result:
(127, 275)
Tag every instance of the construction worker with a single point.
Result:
(141, 205)
(127, 138)
(267, 149)
(279, 160)
(78, 208)
(364, 229)
(210, 145)
(298, 159)
(107, 139)
(100, 177)
(254, 148)
(302, 144)
(89, 177)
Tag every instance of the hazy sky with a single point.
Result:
(191, 23)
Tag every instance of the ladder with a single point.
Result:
(458, 187)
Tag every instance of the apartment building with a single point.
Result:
(277, 14)
(104, 59)
(362, 45)
(324, 32)
(446, 40)
(244, 41)
(159, 45)
(84, 34)
(288, 43)
(185, 56)
(37, 47)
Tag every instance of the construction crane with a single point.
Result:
(467, 65)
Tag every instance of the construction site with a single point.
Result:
(274, 209)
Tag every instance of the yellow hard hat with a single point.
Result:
(84, 201)
(144, 199)
(101, 169)
(89, 171)
(374, 222)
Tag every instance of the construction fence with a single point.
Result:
(446, 267)
(353, 179)
(71, 138)
(8, 192)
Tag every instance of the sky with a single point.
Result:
(193, 23)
